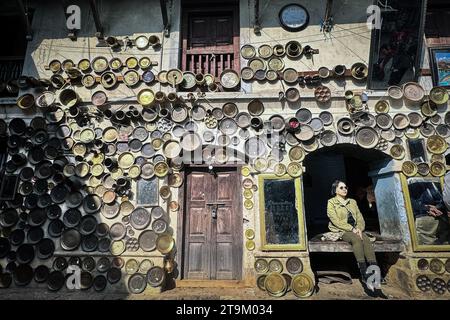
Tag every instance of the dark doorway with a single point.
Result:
(346, 162)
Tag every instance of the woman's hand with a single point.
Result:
(358, 232)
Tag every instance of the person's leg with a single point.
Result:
(357, 245)
(426, 229)
(369, 252)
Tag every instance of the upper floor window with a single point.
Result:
(210, 39)
(12, 52)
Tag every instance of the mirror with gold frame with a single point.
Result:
(281, 213)
(429, 232)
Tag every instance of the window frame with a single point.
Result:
(301, 245)
(416, 247)
(418, 59)
(187, 10)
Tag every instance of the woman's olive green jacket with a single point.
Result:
(337, 211)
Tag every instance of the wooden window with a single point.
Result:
(437, 23)
(210, 40)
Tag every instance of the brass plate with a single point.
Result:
(280, 169)
(260, 164)
(248, 193)
(131, 78)
(125, 160)
(428, 108)
(436, 144)
(275, 265)
(110, 134)
(126, 208)
(397, 152)
(248, 204)
(409, 168)
(145, 62)
(265, 51)
(290, 75)
(165, 243)
(437, 169)
(302, 285)
(117, 247)
(146, 97)
(437, 266)
(245, 171)
(439, 95)
(248, 51)
(276, 64)
(174, 76)
(382, 106)
(294, 169)
(161, 169)
(131, 266)
(250, 234)
(87, 135)
(250, 245)
(131, 62)
(99, 64)
(296, 154)
(115, 64)
(275, 284)
(134, 171)
(261, 265)
(175, 180)
(116, 173)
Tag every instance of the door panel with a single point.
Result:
(213, 248)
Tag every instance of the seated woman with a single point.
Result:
(348, 222)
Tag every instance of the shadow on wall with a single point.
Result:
(75, 211)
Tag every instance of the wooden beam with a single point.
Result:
(257, 23)
(165, 17)
(97, 21)
(26, 21)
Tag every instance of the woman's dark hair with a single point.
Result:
(334, 186)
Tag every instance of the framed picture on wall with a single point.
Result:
(440, 66)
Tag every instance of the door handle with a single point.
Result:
(214, 206)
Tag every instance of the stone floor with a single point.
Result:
(325, 292)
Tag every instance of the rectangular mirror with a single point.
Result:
(281, 211)
(430, 229)
(396, 47)
(417, 150)
(147, 192)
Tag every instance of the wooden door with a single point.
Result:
(213, 245)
